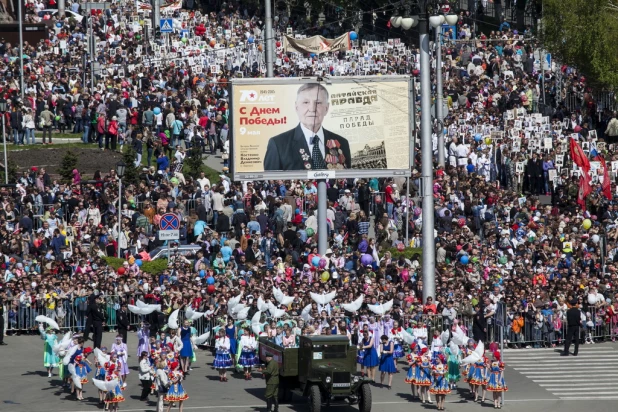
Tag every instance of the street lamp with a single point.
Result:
(120, 168)
(428, 13)
(6, 165)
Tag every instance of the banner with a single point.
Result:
(316, 44)
(360, 123)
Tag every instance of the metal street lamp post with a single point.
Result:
(120, 168)
(425, 17)
(3, 107)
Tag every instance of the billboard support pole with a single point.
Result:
(439, 98)
(407, 222)
(322, 229)
(268, 38)
(429, 249)
(61, 8)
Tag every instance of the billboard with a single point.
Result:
(339, 127)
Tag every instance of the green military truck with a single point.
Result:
(322, 368)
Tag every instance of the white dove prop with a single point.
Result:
(148, 307)
(323, 299)
(355, 305)
(445, 337)
(101, 357)
(476, 355)
(274, 312)
(172, 321)
(63, 344)
(261, 305)
(190, 314)
(105, 386)
(459, 337)
(407, 338)
(69, 355)
(234, 301)
(304, 315)
(454, 349)
(203, 338)
(281, 297)
(256, 326)
(49, 321)
(381, 308)
(242, 313)
(77, 381)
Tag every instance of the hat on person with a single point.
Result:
(329, 251)
(573, 302)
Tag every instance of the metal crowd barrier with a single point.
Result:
(599, 325)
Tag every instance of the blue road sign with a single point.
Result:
(166, 25)
(169, 221)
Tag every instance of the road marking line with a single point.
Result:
(554, 374)
(586, 398)
(559, 368)
(548, 380)
(578, 384)
(584, 349)
(563, 393)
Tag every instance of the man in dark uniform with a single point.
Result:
(98, 319)
(122, 318)
(2, 299)
(272, 383)
(574, 320)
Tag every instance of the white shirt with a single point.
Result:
(309, 138)
(248, 342)
(223, 344)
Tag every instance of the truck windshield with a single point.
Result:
(331, 351)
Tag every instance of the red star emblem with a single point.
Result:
(252, 95)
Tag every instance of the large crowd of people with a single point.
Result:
(525, 205)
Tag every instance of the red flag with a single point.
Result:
(584, 190)
(578, 156)
(607, 184)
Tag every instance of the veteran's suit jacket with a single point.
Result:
(283, 151)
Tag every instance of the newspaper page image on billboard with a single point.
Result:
(285, 128)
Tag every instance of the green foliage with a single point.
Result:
(194, 162)
(408, 253)
(131, 173)
(154, 267)
(69, 162)
(584, 34)
(12, 167)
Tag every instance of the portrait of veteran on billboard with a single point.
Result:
(308, 146)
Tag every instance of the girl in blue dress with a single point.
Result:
(496, 383)
(478, 378)
(223, 361)
(439, 385)
(176, 393)
(50, 359)
(370, 355)
(423, 377)
(230, 331)
(186, 353)
(387, 365)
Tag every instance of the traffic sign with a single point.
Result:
(169, 221)
(166, 25)
(169, 235)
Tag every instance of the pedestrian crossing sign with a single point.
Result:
(166, 25)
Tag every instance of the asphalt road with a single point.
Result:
(538, 380)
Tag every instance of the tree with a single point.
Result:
(583, 34)
(193, 162)
(68, 164)
(12, 172)
(131, 172)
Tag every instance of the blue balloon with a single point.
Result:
(366, 259)
(26, 269)
(210, 280)
(315, 261)
(464, 259)
(58, 24)
(251, 39)
(139, 262)
(202, 273)
(312, 55)
(478, 137)
(353, 35)
(157, 110)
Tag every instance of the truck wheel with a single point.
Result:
(364, 402)
(315, 399)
